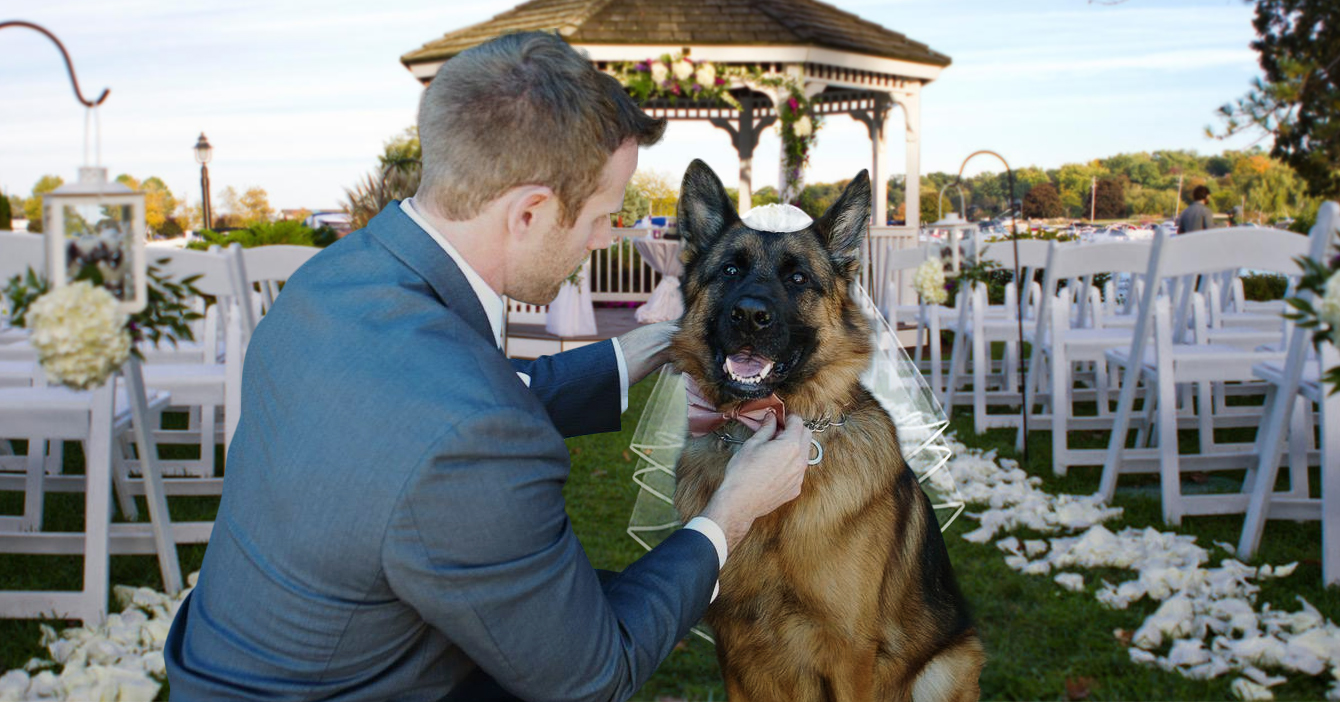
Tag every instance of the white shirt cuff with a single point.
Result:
(623, 378)
(714, 533)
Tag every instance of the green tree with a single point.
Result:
(32, 207)
(255, 204)
(1042, 201)
(6, 217)
(1296, 100)
(396, 177)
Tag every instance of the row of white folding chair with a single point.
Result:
(979, 324)
(1156, 360)
(1067, 334)
(1296, 385)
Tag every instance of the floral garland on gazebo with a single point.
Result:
(678, 76)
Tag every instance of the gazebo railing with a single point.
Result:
(618, 273)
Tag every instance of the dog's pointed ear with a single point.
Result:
(843, 227)
(705, 210)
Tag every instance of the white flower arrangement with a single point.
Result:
(929, 282)
(79, 334)
(706, 74)
(803, 127)
(659, 71)
(682, 69)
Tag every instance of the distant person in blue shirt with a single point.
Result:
(1198, 215)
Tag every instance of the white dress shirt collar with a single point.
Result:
(491, 301)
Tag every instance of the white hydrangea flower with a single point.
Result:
(1073, 582)
(1329, 308)
(659, 71)
(79, 334)
(929, 282)
(683, 69)
(706, 75)
(803, 126)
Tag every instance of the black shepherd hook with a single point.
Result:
(1022, 285)
(68, 64)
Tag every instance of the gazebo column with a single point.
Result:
(911, 104)
(876, 122)
(745, 138)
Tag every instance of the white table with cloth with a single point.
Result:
(665, 302)
(572, 312)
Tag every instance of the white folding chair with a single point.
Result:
(266, 268)
(1068, 332)
(201, 388)
(979, 325)
(1164, 363)
(1295, 386)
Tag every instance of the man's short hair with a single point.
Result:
(522, 109)
(1200, 193)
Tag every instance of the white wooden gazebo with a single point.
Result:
(847, 64)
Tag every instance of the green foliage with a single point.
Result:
(20, 293)
(1264, 286)
(1042, 201)
(399, 170)
(1315, 276)
(1299, 46)
(817, 198)
(6, 217)
(289, 231)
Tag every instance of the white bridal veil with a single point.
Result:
(892, 378)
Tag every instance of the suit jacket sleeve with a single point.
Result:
(579, 388)
(481, 546)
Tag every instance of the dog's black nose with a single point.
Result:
(751, 314)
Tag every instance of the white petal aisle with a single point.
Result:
(1208, 624)
(120, 661)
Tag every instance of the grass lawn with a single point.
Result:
(1039, 637)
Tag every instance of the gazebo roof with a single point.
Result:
(683, 22)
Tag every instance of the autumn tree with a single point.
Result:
(32, 207)
(255, 206)
(159, 203)
(1296, 101)
(1111, 200)
(1042, 201)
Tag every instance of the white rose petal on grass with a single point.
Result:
(79, 334)
(1073, 582)
(1245, 689)
(1035, 547)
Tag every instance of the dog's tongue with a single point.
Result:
(747, 364)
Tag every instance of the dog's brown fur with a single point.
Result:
(845, 593)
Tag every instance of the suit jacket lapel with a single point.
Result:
(419, 252)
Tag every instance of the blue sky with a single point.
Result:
(298, 95)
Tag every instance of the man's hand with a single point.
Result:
(647, 348)
(765, 474)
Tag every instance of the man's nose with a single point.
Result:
(751, 314)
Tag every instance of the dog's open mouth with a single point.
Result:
(747, 367)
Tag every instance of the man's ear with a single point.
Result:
(843, 227)
(705, 210)
(530, 209)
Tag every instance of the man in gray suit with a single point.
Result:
(1198, 216)
(392, 523)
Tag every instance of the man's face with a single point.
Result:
(558, 253)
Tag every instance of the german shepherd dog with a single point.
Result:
(845, 593)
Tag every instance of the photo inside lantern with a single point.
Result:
(98, 241)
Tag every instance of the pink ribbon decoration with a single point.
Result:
(705, 419)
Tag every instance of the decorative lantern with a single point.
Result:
(100, 224)
(959, 228)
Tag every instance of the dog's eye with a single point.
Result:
(799, 278)
(730, 270)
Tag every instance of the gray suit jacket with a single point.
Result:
(392, 523)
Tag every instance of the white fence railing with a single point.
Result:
(618, 274)
(888, 287)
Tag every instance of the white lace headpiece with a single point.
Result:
(777, 218)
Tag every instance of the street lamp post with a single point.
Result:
(203, 152)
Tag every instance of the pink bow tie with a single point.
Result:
(705, 419)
